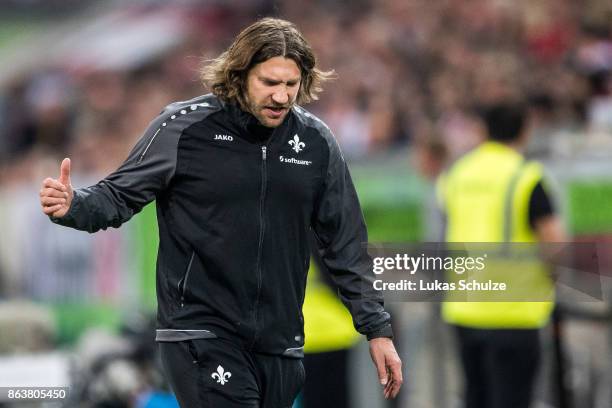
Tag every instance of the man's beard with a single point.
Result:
(258, 112)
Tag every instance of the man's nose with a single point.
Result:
(280, 96)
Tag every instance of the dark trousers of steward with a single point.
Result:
(500, 366)
(216, 373)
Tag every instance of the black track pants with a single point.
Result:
(215, 373)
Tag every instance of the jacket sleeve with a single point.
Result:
(342, 237)
(145, 173)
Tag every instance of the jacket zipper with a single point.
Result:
(262, 226)
(182, 285)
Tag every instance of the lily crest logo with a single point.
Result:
(297, 145)
(221, 375)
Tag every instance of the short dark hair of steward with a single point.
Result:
(504, 121)
(267, 38)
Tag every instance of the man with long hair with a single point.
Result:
(240, 178)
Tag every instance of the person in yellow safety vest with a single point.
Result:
(329, 336)
(493, 194)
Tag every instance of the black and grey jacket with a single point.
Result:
(234, 212)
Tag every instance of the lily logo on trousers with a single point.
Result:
(221, 375)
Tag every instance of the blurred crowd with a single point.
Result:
(409, 73)
(412, 74)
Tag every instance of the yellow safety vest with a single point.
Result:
(327, 323)
(486, 196)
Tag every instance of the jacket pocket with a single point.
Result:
(182, 285)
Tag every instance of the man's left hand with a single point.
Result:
(388, 365)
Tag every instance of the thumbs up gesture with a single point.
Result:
(56, 194)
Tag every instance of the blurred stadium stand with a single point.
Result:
(83, 78)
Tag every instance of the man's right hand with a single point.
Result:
(56, 194)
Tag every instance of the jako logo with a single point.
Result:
(293, 160)
(224, 137)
